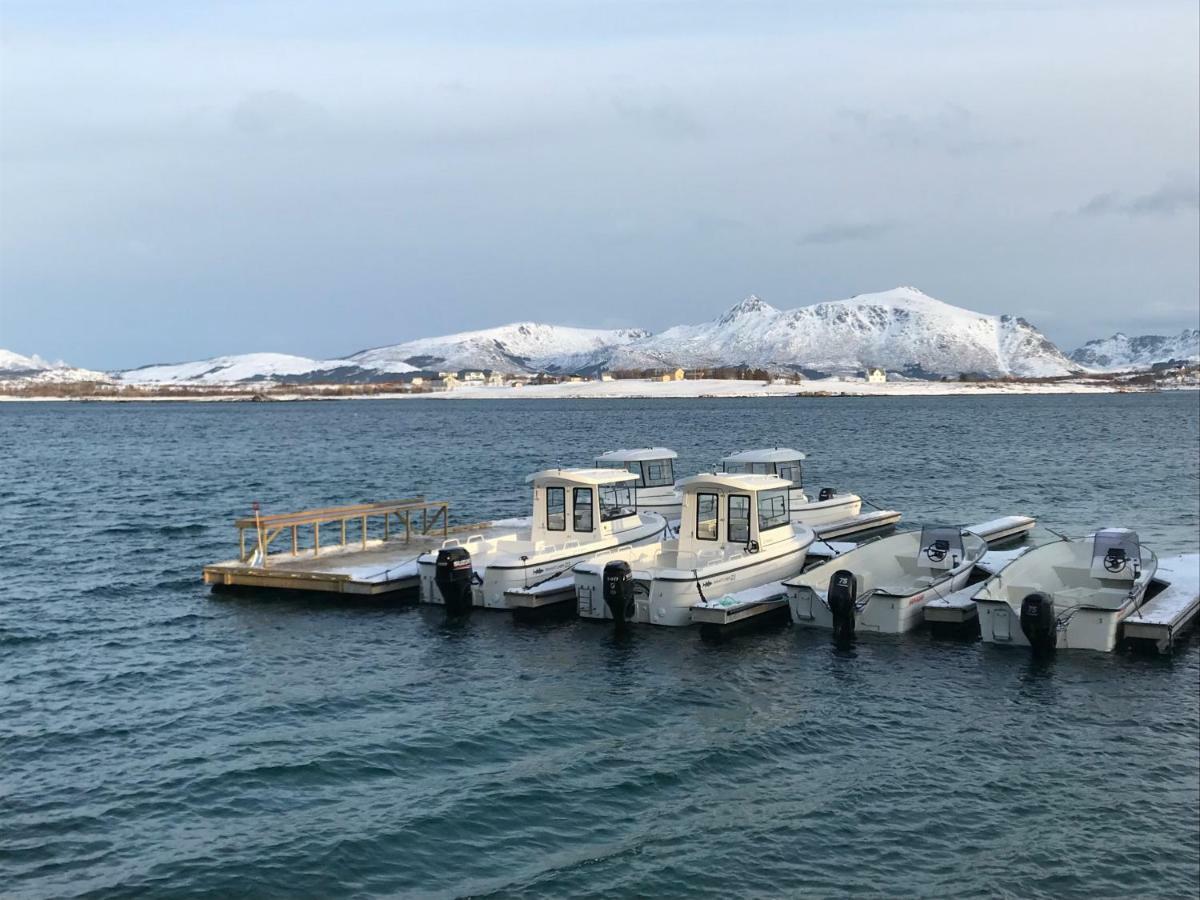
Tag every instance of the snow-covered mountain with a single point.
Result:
(252, 367)
(1121, 352)
(35, 370)
(901, 330)
(522, 347)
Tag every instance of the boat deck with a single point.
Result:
(766, 601)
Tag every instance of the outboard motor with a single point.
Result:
(826, 494)
(618, 591)
(1038, 622)
(843, 592)
(453, 576)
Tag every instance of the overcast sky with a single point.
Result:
(185, 180)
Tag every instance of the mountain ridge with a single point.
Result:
(902, 330)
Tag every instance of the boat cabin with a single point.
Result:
(653, 466)
(582, 505)
(780, 461)
(725, 511)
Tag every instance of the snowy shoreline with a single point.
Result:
(633, 390)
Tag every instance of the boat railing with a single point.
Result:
(412, 516)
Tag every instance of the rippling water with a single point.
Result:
(155, 739)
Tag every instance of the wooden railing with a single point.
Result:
(434, 516)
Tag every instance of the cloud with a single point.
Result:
(845, 233)
(275, 114)
(951, 129)
(1173, 197)
(663, 119)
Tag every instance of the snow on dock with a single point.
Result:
(1172, 611)
(860, 524)
(740, 606)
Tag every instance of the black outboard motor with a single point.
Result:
(1038, 622)
(453, 577)
(843, 592)
(826, 494)
(618, 591)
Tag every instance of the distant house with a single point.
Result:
(607, 376)
(416, 381)
(669, 375)
(447, 382)
(472, 376)
(495, 379)
(575, 379)
(876, 376)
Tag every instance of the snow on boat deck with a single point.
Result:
(958, 608)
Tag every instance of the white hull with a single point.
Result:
(883, 614)
(500, 569)
(895, 577)
(665, 596)
(822, 512)
(1087, 629)
(1089, 609)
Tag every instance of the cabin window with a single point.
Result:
(736, 468)
(581, 502)
(617, 501)
(657, 473)
(739, 518)
(772, 509)
(556, 509)
(791, 471)
(706, 517)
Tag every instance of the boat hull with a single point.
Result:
(508, 573)
(881, 613)
(1087, 629)
(666, 597)
(823, 512)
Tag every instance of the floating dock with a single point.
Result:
(374, 551)
(768, 603)
(1170, 612)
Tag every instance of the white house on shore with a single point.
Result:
(876, 376)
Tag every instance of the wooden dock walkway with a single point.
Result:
(375, 549)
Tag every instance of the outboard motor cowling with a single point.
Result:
(618, 591)
(843, 594)
(1038, 622)
(827, 493)
(453, 576)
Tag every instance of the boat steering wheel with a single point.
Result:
(937, 550)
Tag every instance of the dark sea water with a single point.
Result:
(157, 740)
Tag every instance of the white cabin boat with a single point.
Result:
(734, 533)
(577, 513)
(655, 470)
(1067, 594)
(883, 585)
(831, 505)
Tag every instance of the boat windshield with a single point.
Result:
(657, 473)
(632, 467)
(747, 468)
(617, 501)
(772, 509)
(791, 471)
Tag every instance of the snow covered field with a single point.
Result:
(638, 389)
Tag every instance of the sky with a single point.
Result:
(179, 181)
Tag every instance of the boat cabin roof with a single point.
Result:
(584, 476)
(765, 455)
(739, 482)
(637, 455)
